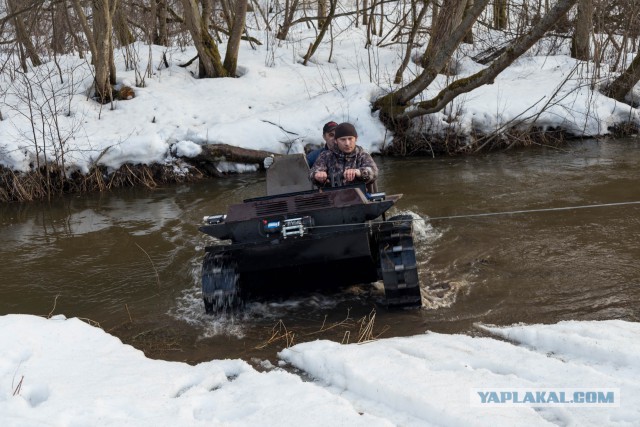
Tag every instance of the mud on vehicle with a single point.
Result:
(298, 234)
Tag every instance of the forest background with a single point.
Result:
(406, 66)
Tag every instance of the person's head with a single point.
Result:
(328, 134)
(346, 137)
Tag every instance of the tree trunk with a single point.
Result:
(85, 27)
(74, 35)
(381, 23)
(323, 30)
(392, 106)
(500, 14)
(433, 63)
(214, 153)
(22, 35)
(103, 11)
(121, 27)
(161, 38)
(235, 35)
(322, 12)
(444, 27)
(208, 54)
(100, 43)
(487, 76)
(59, 28)
(417, 21)
(365, 12)
(152, 31)
(468, 38)
(207, 11)
(371, 25)
(227, 12)
(581, 40)
(289, 13)
(625, 82)
(112, 62)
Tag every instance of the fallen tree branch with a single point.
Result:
(214, 153)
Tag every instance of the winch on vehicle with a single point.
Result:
(289, 227)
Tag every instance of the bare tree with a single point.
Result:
(289, 12)
(325, 25)
(121, 26)
(100, 40)
(26, 46)
(322, 11)
(435, 59)
(581, 40)
(500, 17)
(365, 12)
(468, 38)
(59, 28)
(156, 30)
(208, 53)
(417, 22)
(443, 27)
(392, 106)
(487, 75)
(625, 82)
(160, 36)
(45, 105)
(235, 35)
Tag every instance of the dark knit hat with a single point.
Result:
(345, 129)
(329, 127)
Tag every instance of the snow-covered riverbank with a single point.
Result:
(277, 104)
(64, 372)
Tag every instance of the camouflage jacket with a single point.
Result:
(334, 163)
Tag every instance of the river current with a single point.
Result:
(129, 260)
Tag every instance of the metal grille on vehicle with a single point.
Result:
(271, 207)
(315, 201)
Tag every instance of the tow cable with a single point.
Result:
(523, 211)
(564, 208)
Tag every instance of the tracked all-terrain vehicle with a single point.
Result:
(298, 235)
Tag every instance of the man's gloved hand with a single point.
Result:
(320, 177)
(267, 162)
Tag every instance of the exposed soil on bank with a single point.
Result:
(49, 181)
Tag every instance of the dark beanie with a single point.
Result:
(345, 129)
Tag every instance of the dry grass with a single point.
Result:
(157, 340)
(152, 264)
(363, 329)
(16, 390)
(515, 136)
(625, 129)
(51, 181)
(279, 333)
(84, 319)
(55, 303)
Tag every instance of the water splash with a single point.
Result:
(442, 294)
(189, 308)
(436, 293)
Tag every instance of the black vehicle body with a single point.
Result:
(298, 234)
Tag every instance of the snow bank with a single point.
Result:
(64, 372)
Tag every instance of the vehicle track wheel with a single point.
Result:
(220, 283)
(398, 266)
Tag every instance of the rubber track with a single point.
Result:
(220, 290)
(399, 268)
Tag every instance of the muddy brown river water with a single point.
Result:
(130, 260)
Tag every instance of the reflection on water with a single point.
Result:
(130, 260)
